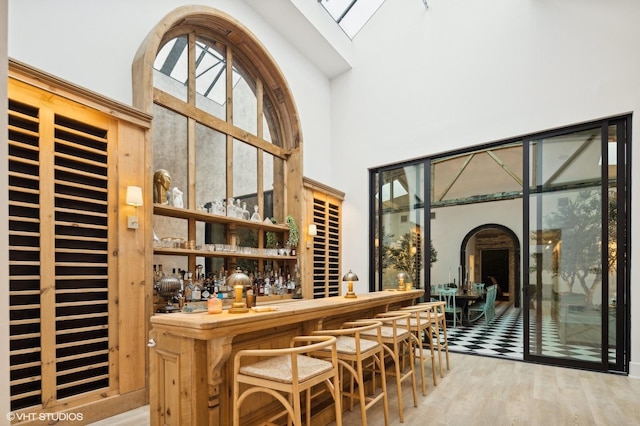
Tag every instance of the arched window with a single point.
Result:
(225, 126)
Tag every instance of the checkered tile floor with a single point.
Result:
(503, 338)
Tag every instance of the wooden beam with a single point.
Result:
(453, 181)
(504, 167)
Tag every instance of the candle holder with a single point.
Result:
(238, 281)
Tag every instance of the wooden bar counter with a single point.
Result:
(190, 380)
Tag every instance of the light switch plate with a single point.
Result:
(132, 222)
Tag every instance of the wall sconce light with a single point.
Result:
(350, 277)
(312, 231)
(134, 198)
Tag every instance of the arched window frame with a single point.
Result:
(270, 84)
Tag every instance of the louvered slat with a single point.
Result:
(25, 365)
(24, 239)
(91, 355)
(80, 186)
(81, 329)
(83, 382)
(81, 173)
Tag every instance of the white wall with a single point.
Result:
(465, 72)
(4, 238)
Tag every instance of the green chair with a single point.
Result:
(448, 295)
(486, 308)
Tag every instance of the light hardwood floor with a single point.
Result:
(490, 392)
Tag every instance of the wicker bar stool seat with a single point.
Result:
(288, 372)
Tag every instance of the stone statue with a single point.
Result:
(161, 184)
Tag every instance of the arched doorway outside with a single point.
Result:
(490, 253)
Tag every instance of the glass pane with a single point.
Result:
(612, 247)
(211, 169)
(572, 159)
(245, 104)
(267, 185)
(378, 251)
(271, 129)
(170, 69)
(402, 244)
(266, 132)
(247, 243)
(214, 233)
(612, 259)
(169, 151)
(245, 178)
(211, 84)
(565, 247)
(351, 15)
(171, 232)
(276, 207)
(492, 172)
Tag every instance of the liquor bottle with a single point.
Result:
(260, 284)
(196, 293)
(181, 279)
(267, 286)
(180, 299)
(188, 287)
(159, 273)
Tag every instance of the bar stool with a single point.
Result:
(290, 371)
(421, 325)
(440, 323)
(399, 344)
(354, 351)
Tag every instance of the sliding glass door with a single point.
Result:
(573, 209)
(398, 227)
(557, 204)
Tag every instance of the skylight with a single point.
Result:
(351, 15)
(211, 65)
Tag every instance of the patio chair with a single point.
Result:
(449, 297)
(486, 308)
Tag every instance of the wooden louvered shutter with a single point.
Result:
(325, 263)
(81, 257)
(59, 252)
(24, 255)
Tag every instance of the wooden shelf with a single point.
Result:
(176, 212)
(209, 253)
